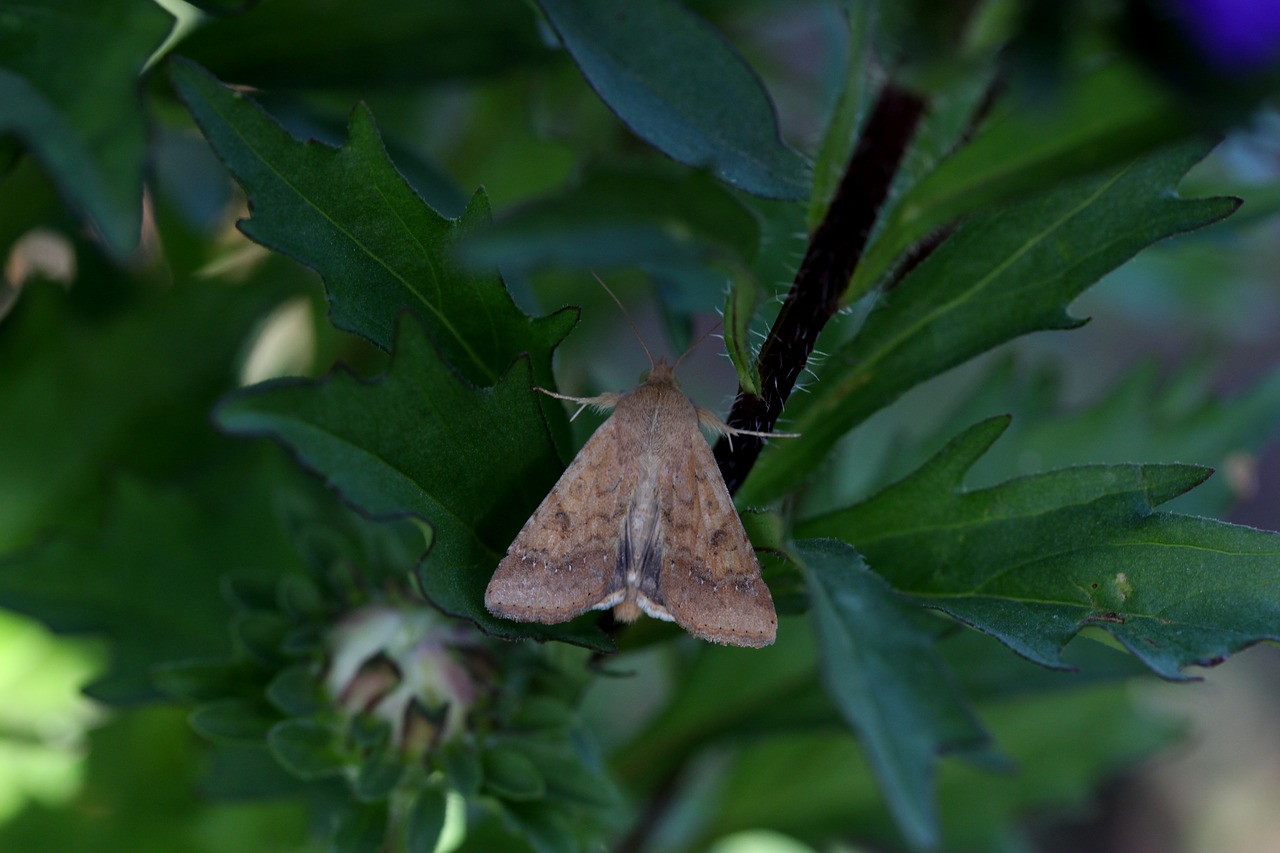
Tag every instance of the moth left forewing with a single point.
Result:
(710, 578)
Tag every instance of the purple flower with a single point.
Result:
(1236, 36)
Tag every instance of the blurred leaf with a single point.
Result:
(88, 390)
(351, 216)
(90, 138)
(233, 720)
(426, 821)
(360, 828)
(1105, 117)
(512, 776)
(1064, 745)
(365, 43)
(616, 218)
(1033, 561)
(421, 441)
(157, 547)
(999, 276)
(142, 767)
(681, 87)
(1146, 415)
(224, 7)
(306, 748)
(884, 676)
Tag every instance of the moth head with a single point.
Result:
(660, 373)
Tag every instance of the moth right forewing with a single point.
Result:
(564, 560)
(710, 578)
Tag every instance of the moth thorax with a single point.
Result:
(627, 610)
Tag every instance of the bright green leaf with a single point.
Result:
(1035, 560)
(881, 670)
(999, 276)
(472, 462)
(351, 216)
(680, 86)
(739, 311)
(90, 137)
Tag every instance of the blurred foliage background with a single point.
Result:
(123, 510)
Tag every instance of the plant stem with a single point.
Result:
(835, 248)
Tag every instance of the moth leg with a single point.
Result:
(709, 420)
(601, 403)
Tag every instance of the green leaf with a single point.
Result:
(234, 720)
(739, 311)
(206, 680)
(617, 218)
(426, 821)
(306, 748)
(360, 828)
(358, 44)
(1105, 117)
(1064, 745)
(296, 690)
(1035, 560)
(348, 214)
(156, 548)
(90, 138)
(881, 670)
(999, 276)
(682, 88)
(420, 441)
(512, 776)
(379, 774)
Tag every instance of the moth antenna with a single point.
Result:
(627, 314)
(716, 325)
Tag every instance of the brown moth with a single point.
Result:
(641, 521)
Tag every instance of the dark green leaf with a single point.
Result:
(295, 690)
(426, 821)
(90, 138)
(512, 776)
(379, 774)
(461, 765)
(361, 43)
(1033, 561)
(350, 215)
(881, 670)
(618, 218)
(205, 680)
(680, 86)
(260, 635)
(999, 276)
(234, 720)
(1106, 117)
(306, 748)
(360, 828)
(421, 441)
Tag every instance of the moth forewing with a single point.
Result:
(640, 521)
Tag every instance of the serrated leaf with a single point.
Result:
(682, 88)
(999, 276)
(90, 138)
(306, 748)
(1107, 116)
(426, 821)
(348, 214)
(512, 776)
(1035, 560)
(420, 441)
(233, 720)
(616, 218)
(881, 671)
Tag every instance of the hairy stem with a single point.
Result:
(835, 248)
